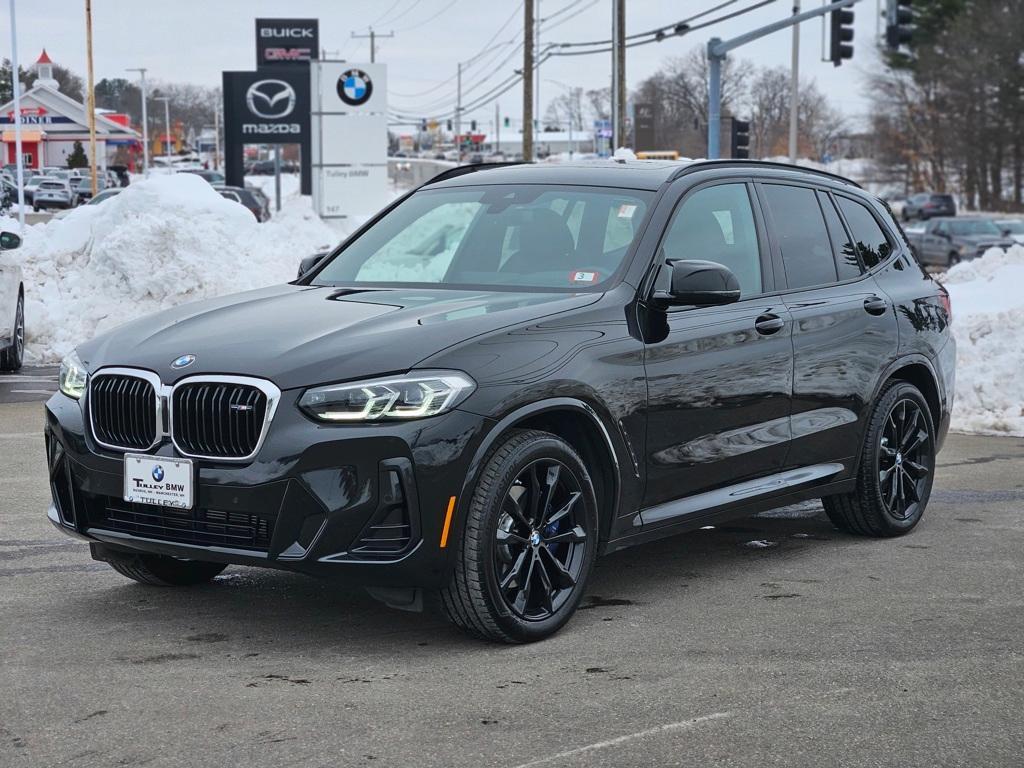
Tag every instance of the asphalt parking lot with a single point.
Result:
(775, 641)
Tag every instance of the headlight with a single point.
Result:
(73, 376)
(413, 396)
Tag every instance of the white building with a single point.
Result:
(52, 122)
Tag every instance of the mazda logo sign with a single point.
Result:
(270, 99)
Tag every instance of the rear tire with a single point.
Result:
(528, 543)
(163, 571)
(896, 470)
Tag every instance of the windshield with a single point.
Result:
(510, 236)
(976, 227)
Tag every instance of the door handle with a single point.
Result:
(874, 305)
(768, 324)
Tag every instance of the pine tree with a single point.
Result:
(77, 158)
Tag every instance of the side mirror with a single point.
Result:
(701, 283)
(309, 263)
(9, 241)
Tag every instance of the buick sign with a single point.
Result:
(286, 41)
(270, 99)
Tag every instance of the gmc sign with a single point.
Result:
(286, 41)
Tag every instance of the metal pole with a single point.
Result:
(167, 122)
(794, 88)
(497, 127)
(536, 82)
(277, 177)
(91, 99)
(615, 75)
(620, 9)
(216, 137)
(16, 86)
(145, 120)
(458, 114)
(373, 47)
(714, 100)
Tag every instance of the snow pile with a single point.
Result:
(988, 315)
(161, 242)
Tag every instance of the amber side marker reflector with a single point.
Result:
(447, 522)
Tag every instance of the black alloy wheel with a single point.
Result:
(904, 460)
(528, 543)
(540, 545)
(897, 467)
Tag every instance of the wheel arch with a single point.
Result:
(920, 373)
(580, 425)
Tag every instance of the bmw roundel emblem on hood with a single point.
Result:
(183, 361)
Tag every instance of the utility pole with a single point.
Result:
(145, 119)
(458, 114)
(167, 121)
(16, 87)
(91, 100)
(618, 74)
(528, 39)
(718, 49)
(794, 88)
(373, 41)
(536, 81)
(497, 127)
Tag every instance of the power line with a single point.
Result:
(429, 19)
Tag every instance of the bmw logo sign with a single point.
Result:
(158, 473)
(355, 87)
(183, 362)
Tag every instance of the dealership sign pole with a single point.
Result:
(16, 86)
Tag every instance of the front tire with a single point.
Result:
(163, 571)
(528, 543)
(12, 357)
(897, 467)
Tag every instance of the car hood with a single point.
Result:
(301, 335)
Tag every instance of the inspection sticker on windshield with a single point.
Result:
(583, 277)
(158, 480)
(626, 211)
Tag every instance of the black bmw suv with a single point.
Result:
(510, 371)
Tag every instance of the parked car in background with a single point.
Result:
(82, 190)
(214, 178)
(927, 206)
(244, 196)
(262, 168)
(53, 193)
(511, 371)
(101, 197)
(1012, 228)
(947, 241)
(31, 185)
(8, 194)
(12, 307)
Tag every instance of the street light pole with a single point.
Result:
(145, 119)
(16, 86)
(794, 88)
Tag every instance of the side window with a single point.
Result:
(717, 224)
(806, 248)
(847, 263)
(872, 244)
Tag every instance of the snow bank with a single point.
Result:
(988, 315)
(161, 242)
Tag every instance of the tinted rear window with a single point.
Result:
(803, 239)
(942, 198)
(872, 244)
(847, 263)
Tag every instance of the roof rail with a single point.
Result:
(462, 170)
(700, 165)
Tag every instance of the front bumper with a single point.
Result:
(365, 504)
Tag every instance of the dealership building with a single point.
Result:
(51, 123)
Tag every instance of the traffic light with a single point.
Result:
(842, 36)
(472, 125)
(740, 139)
(449, 126)
(507, 121)
(899, 28)
(423, 125)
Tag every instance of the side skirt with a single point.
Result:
(734, 501)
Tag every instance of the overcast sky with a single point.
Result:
(194, 40)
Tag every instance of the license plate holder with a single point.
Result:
(159, 480)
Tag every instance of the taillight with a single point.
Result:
(946, 304)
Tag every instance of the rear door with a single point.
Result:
(844, 327)
(719, 381)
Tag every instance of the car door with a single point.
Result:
(844, 326)
(719, 381)
(935, 242)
